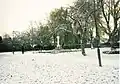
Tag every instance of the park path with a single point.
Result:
(61, 68)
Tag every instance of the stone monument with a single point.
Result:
(58, 42)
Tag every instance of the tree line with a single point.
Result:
(82, 25)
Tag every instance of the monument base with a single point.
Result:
(58, 48)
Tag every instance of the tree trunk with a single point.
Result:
(112, 38)
(91, 41)
(54, 39)
(97, 36)
(83, 46)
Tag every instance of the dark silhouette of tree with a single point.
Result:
(0, 39)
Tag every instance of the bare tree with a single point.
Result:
(110, 9)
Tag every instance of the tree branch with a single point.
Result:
(117, 3)
(104, 28)
(103, 11)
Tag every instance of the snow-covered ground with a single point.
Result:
(61, 68)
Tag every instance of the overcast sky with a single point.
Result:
(16, 14)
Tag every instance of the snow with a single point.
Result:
(61, 68)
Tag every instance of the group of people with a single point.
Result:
(22, 49)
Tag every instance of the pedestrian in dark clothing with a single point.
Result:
(22, 49)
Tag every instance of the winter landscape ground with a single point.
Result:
(61, 68)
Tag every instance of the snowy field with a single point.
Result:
(61, 68)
